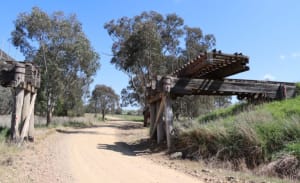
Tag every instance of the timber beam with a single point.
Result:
(267, 89)
(10, 72)
(213, 65)
(249, 89)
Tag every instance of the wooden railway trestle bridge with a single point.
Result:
(24, 78)
(206, 75)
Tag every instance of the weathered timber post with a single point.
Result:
(168, 113)
(152, 116)
(18, 96)
(152, 87)
(24, 78)
(31, 122)
(160, 124)
(26, 104)
(27, 121)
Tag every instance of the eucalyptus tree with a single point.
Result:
(140, 45)
(195, 42)
(149, 44)
(66, 58)
(104, 99)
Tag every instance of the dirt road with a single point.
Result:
(100, 155)
(104, 153)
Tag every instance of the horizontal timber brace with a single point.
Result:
(19, 74)
(226, 87)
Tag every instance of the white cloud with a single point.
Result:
(290, 56)
(269, 77)
(282, 57)
(295, 55)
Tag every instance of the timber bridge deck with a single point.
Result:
(206, 75)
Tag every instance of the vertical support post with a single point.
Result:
(26, 123)
(31, 122)
(16, 114)
(169, 121)
(25, 108)
(168, 113)
(152, 116)
(160, 125)
(19, 80)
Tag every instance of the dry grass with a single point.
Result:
(5, 120)
(248, 139)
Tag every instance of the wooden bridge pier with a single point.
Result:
(161, 114)
(205, 75)
(24, 78)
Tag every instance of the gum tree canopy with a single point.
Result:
(149, 44)
(66, 58)
(104, 99)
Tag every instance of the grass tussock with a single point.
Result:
(260, 135)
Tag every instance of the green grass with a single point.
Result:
(135, 118)
(225, 112)
(4, 133)
(256, 135)
(293, 148)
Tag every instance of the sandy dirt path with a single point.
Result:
(99, 155)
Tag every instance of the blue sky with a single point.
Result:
(268, 31)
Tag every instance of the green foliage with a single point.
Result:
(148, 44)
(293, 148)
(284, 109)
(254, 136)
(66, 58)
(104, 99)
(275, 135)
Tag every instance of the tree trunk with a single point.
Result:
(50, 107)
(49, 116)
(103, 115)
